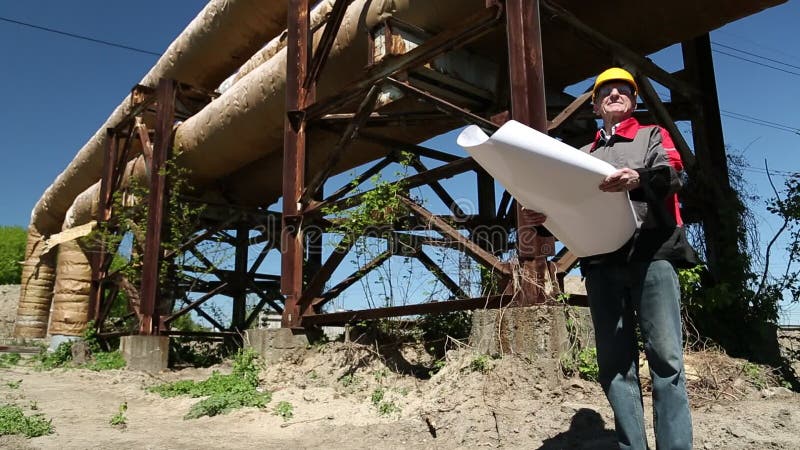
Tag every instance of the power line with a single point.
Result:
(754, 54)
(755, 62)
(758, 44)
(757, 121)
(78, 36)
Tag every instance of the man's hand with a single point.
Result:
(624, 179)
(536, 218)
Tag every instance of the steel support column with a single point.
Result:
(98, 265)
(719, 211)
(155, 214)
(298, 96)
(239, 314)
(528, 106)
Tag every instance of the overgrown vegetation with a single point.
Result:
(739, 291)
(14, 421)
(9, 360)
(12, 252)
(98, 360)
(223, 393)
(124, 235)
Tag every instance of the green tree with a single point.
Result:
(12, 252)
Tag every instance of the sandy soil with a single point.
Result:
(511, 405)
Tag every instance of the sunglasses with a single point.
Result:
(623, 89)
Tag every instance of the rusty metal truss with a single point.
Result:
(305, 283)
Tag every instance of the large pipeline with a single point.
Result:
(222, 36)
(245, 125)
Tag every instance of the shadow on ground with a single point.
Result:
(587, 431)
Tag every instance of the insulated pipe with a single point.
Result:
(222, 36)
(246, 122)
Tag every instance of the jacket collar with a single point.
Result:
(626, 129)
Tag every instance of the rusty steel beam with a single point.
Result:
(347, 188)
(325, 45)
(156, 204)
(568, 112)
(603, 42)
(142, 98)
(411, 148)
(317, 284)
(502, 208)
(467, 246)
(565, 261)
(294, 157)
(99, 259)
(444, 171)
(201, 237)
(147, 146)
(528, 106)
(195, 304)
(461, 34)
(239, 311)
(262, 255)
(437, 271)
(439, 190)
(201, 334)
(492, 302)
(364, 109)
(648, 93)
(264, 298)
(333, 292)
(717, 202)
(445, 106)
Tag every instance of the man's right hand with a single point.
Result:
(534, 217)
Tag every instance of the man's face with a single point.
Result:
(614, 101)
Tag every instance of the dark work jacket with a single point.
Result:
(660, 234)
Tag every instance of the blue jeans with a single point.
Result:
(619, 295)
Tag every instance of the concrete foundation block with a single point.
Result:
(537, 333)
(272, 344)
(145, 353)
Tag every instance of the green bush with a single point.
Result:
(436, 328)
(587, 364)
(14, 421)
(224, 392)
(12, 252)
(61, 357)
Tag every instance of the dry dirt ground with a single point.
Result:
(509, 404)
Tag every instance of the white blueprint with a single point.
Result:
(549, 176)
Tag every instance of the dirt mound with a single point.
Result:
(347, 395)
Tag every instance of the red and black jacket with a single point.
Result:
(649, 150)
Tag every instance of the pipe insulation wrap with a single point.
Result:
(223, 35)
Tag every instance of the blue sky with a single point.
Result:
(57, 90)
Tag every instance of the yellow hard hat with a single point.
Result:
(614, 74)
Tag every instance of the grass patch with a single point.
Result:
(224, 392)
(119, 419)
(284, 410)
(62, 358)
(9, 360)
(14, 421)
(106, 361)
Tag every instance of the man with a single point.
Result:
(638, 282)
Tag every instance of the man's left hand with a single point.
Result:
(624, 179)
